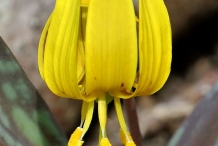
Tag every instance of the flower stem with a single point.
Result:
(130, 107)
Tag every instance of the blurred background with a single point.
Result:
(194, 67)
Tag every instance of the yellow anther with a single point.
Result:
(131, 143)
(105, 142)
(75, 137)
(122, 137)
(125, 138)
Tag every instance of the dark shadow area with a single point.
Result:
(198, 41)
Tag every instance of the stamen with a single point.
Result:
(125, 136)
(88, 119)
(120, 115)
(75, 138)
(105, 142)
(122, 137)
(131, 143)
(102, 113)
(81, 124)
(83, 112)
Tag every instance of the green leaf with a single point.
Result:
(25, 119)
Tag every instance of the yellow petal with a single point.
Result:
(42, 47)
(154, 46)
(166, 40)
(111, 46)
(65, 49)
(63, 64)
(56, 40)
(85, 3)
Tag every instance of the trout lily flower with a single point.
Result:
(99, 51)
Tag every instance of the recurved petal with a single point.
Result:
(111, 46)
(166, 46)
(41, 47)
(154, 46)
(154, 49)
(60, 52)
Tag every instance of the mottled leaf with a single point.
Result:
(25, 119)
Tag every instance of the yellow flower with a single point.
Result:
(98, 50)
